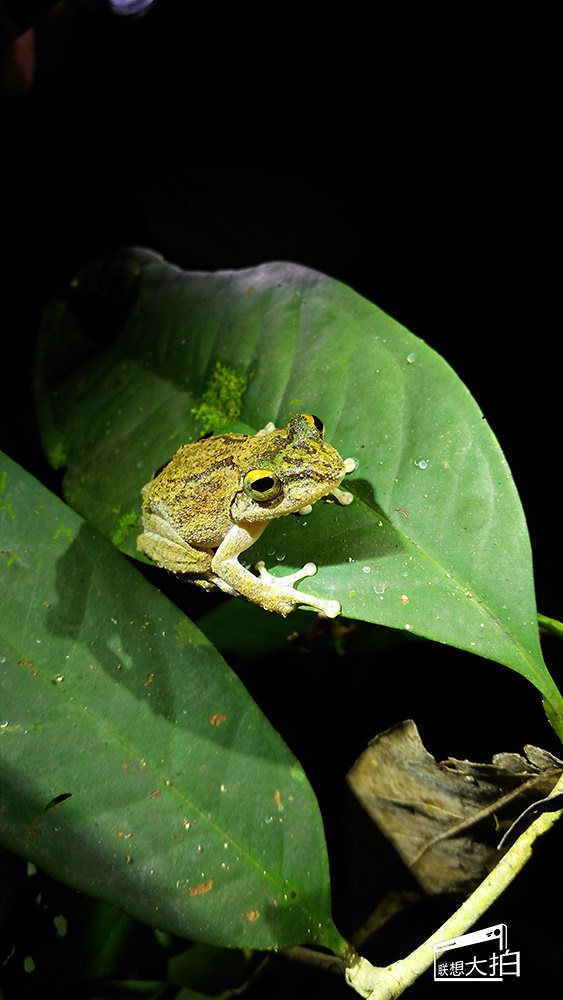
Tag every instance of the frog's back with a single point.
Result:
(194, 491)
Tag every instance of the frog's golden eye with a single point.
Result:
(315, 422)
(261, 485)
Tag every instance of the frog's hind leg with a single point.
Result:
(175, 556)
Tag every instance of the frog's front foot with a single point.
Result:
(287, 598)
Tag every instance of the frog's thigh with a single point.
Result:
(176, 556)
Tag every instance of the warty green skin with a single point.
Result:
(200, 492)
(198, 517)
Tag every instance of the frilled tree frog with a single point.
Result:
(216, 496)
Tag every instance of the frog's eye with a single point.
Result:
(261, 485)
(314, 422)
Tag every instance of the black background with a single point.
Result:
(416, 162)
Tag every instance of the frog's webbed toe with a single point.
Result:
(291, 598)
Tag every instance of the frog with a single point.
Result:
(217, 495)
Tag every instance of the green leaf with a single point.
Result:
(135, 766)
(435, 542)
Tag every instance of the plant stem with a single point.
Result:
(551, 625)
(375, 983)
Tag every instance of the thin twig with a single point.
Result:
(388, 983)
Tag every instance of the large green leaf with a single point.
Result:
(133, 763)
(435, 541)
